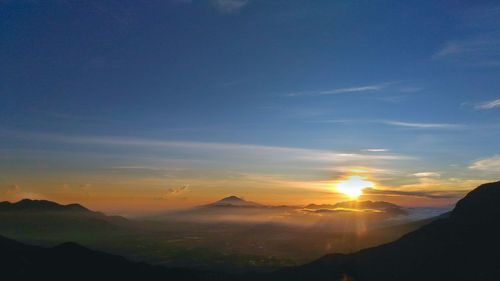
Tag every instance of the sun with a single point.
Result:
(353, 186)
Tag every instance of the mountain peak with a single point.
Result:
(234, 201)
(232, 198)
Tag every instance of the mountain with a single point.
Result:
(40, 206)
(46, 222)
(70, 261)
(366, 206)
(462, 246)
(33, 208)
(234, 201)
(29, 207)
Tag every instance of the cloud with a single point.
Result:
(231, 150)
(176, 191)
(482, 47)
(427, 175)
(472, 52)
(360, 170)
(425, 194)
(394, 86)
(356, 89)
(414, 125)
(353, 90)
(230, 6)
(140, 168)
(488, 105)
(471, 47)
(375, 150)
(491, 164)
(422, 125)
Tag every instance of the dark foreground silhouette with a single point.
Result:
(461, 247)
(70, 261)
(464, 246)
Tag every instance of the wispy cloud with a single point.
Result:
(482, 47)
(397, 123)
(393, 91)
(467, 48)
(353, 90)
(230, 6)
(348, 90)
(443, 184)
(140, 168)
(362, 170)
(176, 191)
(375, 150)
(491, 164)
(488, 105)
(427, 174)
(422, 125)
(246, 151)
(426, 194)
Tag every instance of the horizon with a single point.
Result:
(131, 108)
(437, 209)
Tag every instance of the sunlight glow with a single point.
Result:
(353, 186)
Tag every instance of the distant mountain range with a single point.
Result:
(40, 206)
(23, 217)
(347, 206)
(366, 206)
(461, 246)
(227, 202)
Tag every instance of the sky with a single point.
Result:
(132, 106)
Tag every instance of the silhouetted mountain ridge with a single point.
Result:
(40, 206)
(70, 261)
(480, 206)
(27, 215)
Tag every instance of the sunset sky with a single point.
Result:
(135, 106)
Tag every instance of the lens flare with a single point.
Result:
(353, 186)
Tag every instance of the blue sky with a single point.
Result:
(106, 100)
